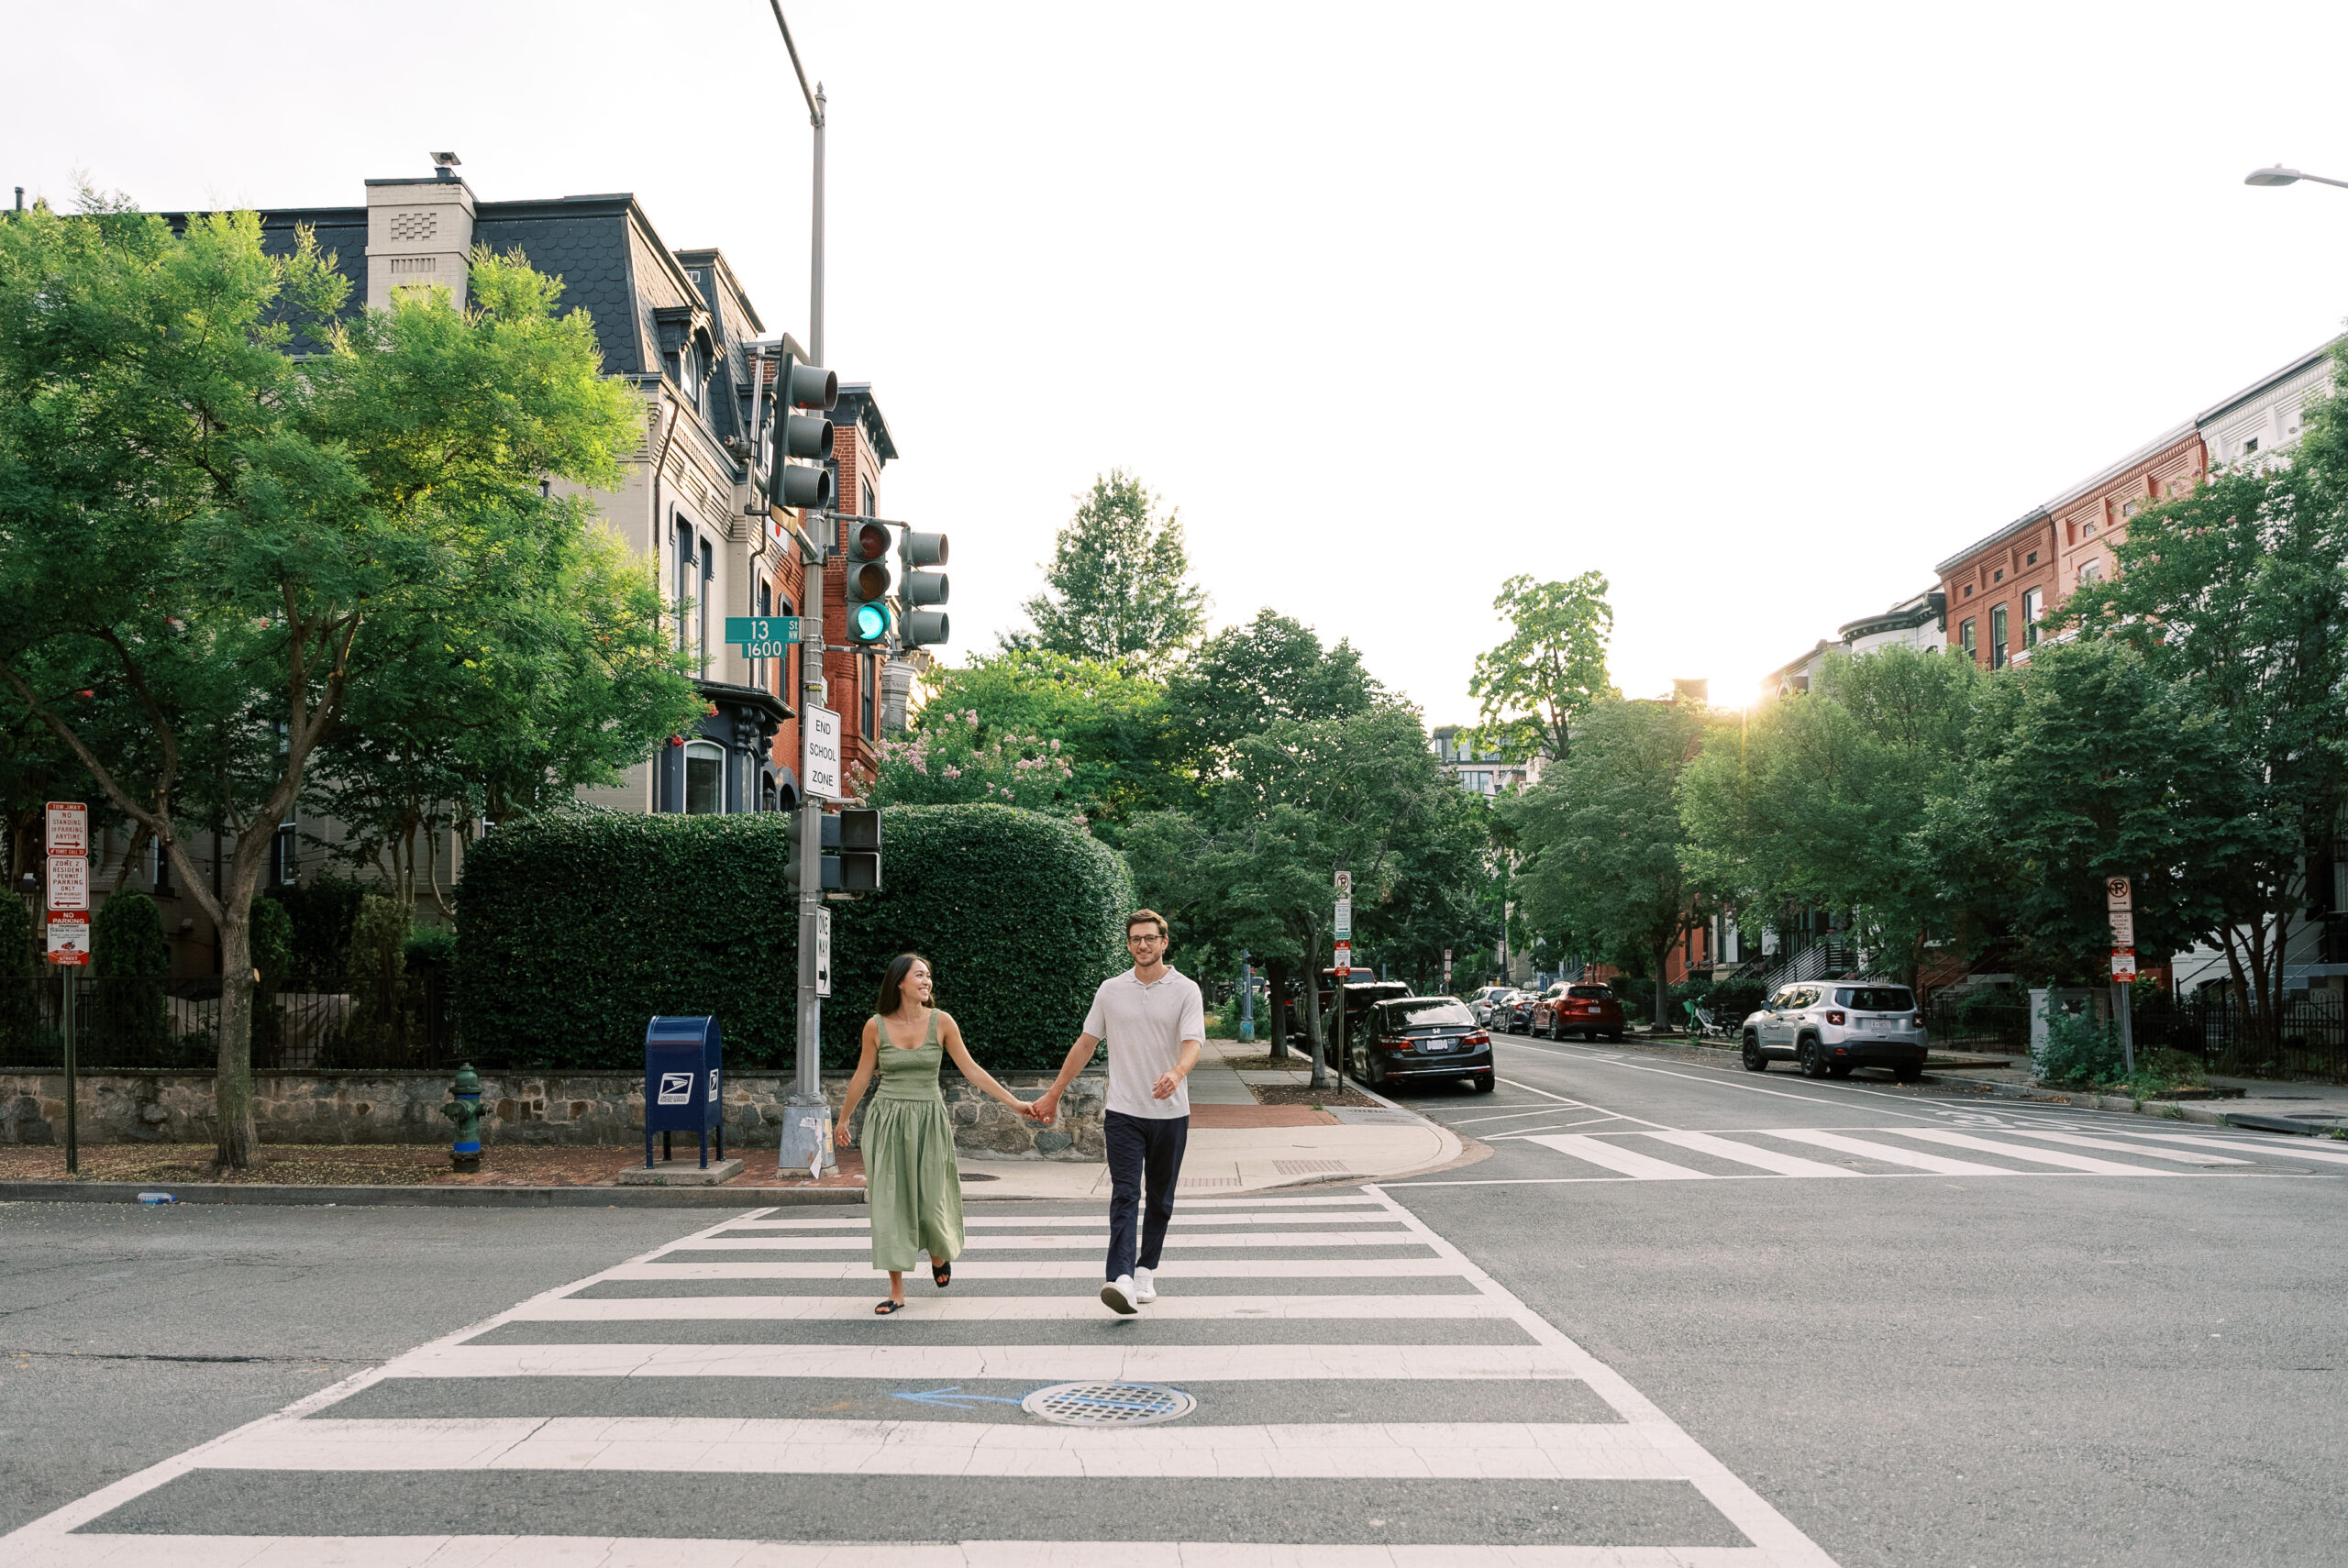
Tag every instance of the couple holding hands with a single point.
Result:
(1154, 1022)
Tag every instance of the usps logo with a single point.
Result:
(676, 1088)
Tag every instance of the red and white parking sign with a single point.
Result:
(68, 936)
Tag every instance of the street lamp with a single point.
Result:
(2279, 175)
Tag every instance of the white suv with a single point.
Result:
(1829, 1027)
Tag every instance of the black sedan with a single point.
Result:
(1422, 1037)
(1518, 1018)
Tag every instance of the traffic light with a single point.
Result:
(868, 583)
(855, 833)
(798, 436)
(859, 850)
(922, 587)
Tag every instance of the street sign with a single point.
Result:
(68, 936)
(1345, 963)
(2123, 928)
(819, 752)
(68, 828)
(2116, 892)
(2123, 964)
(1344, 884)
(766, 636)
(1344, 919)
(823, 953)
(69, 880)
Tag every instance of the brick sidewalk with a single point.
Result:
(346, 1164)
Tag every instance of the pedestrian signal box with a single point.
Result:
(683, 1091)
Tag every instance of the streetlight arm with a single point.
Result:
(815, 110)
(2277, 175)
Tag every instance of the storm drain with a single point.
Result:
(1108, 1404)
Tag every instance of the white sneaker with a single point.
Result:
(1144, 1286)
(1118, 1295)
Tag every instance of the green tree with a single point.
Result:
(2088, 764)
(1118, 586)
(1822, 800)
(20, 966)
(1105, 724)
(2234, 591)
(1244, 680)
(1549, 671)
(1607, 851)
(128, 954)
(225, 545)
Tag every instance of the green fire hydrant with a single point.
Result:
(465, 1111)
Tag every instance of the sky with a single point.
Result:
(1758, 311)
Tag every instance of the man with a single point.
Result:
(1156, 1023)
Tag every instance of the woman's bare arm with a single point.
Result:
(867, 1057)
(950, 1033)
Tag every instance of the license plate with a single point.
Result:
(1882, 1026)
(1441, 1045)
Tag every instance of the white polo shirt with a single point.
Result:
(1145, 1026)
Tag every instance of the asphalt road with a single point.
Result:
(1934, 1366)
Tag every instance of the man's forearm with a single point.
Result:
(1078, 1055)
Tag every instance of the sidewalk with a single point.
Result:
(1246, 1141)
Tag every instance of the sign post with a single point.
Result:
(68, 838)
(2119, 903)
(1345, 963)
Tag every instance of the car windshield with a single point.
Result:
(1420, 1011)
(1590, 993)
(1877, 999)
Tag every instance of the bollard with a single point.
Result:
(465, 1111)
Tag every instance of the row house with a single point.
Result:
(1916, 621)
(679, 329)
(1479, 770)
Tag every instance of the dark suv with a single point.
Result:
(1422, 1037)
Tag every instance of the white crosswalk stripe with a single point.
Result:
(1633, 1155)
(903, 1402)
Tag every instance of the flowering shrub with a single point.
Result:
(950, 760)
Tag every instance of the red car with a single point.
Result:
(1575, 1009)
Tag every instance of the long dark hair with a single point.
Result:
(892, 983)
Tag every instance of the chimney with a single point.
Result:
(419, 232)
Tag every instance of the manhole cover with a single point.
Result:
(1108, 1404)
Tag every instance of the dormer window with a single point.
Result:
(2250, 445)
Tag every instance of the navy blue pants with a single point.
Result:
(1142, 1149)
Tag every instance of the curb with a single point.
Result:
(1451, 1144)
(2164, 1109)
(283, 1195)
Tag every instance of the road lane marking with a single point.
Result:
(1515, 1451)
(1052, 1268)
(1092, 1241)
(1714, 1081)
(2180, 1156)
(1887, 1153)
(992, 1308)
(1746, 1153)
(1580, 1104)
(1175, 1363)
(1074, 1221)
(2016, 1152)
(93, 1551)
(1630, 1161)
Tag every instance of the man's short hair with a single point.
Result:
(1149, 917)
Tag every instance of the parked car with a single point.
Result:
(1361, 994)
(1483, 1003)
(1422, 1037)
(1520, 1012)
(1578, 1007)
(1828, 1028)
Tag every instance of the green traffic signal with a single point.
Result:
(868, 624)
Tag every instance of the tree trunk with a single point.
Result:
(1275, 973)
(232, 1088)
(1662, 987)
(1312, 1006)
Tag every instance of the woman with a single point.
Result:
(911, 1183)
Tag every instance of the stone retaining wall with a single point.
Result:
(530, 1108)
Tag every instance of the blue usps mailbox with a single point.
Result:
(682, 1059)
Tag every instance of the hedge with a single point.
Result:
(572, 930)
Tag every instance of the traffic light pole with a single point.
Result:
(806, 1120)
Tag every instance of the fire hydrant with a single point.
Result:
(465, 1111)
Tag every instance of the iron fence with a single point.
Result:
(2307, 1039)
(128, 1023)
(1984, 1020)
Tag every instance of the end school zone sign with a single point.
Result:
(819, 752)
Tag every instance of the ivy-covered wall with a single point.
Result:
(574, 931)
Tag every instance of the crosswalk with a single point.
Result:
(1654, 1154)
(1324, 1381)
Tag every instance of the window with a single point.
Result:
(2087, 530)
(708, 580)
(1877, 999)
(1964, 638)
(1998, 638)
(705, 779)
(787, 692)
(1998, 575)
(2034, 610)
(2030, 559)
(2091, 571)
(2250, 445)
(1968, 590)
(2132, 509)
(762, 605)
(285, 854)
(684, 579)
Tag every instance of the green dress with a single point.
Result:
(912, 1181)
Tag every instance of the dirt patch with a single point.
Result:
(1288, 1064)
(1281, 1094)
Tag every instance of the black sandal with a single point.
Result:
(942, 1273)
(888, 1306)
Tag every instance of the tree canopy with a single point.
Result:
(1118, 584)
(1550, 670)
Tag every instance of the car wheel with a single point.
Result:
(1753, 1061)
(1486, 1084)
(1812, 1060)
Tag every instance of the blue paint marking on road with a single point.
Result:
(952, 1398)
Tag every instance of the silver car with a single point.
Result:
(1829, 1027)
(1483, 1001)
